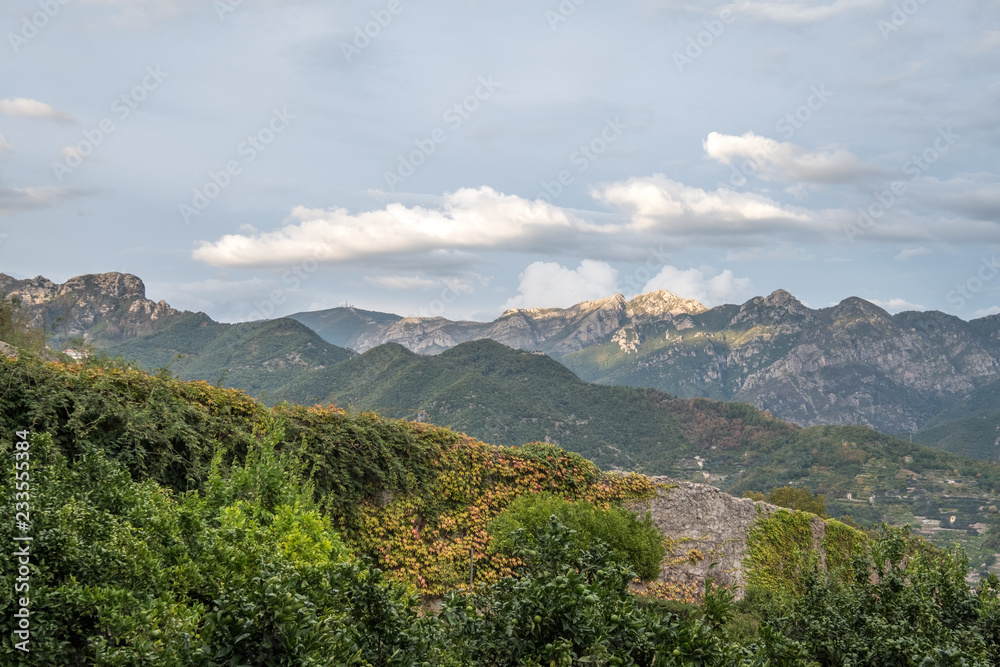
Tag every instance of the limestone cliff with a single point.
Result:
(104, 306)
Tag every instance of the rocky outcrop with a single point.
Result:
(705, 526)
(104, 306)
(709, 531)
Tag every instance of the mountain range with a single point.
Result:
(928, 376)
(509, 396)
(852, 363)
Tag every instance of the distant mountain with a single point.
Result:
(555, 331)
(852, 363)
(101, 308)
(510, 397)
(257, 357)
(344, 326)
(970, 428)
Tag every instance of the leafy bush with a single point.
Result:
(630, 540)
(182, 524)
(570, 606)
(248, 572)
(904, 604)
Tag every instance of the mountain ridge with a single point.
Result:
(852, 362)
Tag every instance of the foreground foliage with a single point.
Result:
(633, 541)
(413, 497)
(183, 524)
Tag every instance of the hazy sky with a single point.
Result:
(258, 157)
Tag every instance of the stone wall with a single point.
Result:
(705, 526)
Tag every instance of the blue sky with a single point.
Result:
(254, 158)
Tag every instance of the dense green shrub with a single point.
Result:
(903, 604)
(636, 542)
(182, 524)
(573, 607)
(247, 573)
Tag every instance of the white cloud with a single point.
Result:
(659, 203)
(910, 253)
(21, 106)
(986, 312)
(784, 161)
(801, 12)
(468, 219)
(13, 200)
(896, 305)
(694, 284)
(551, 285)
(650, 211)
(5, 145)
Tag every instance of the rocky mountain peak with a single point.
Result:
(779, 298)
(662, 303)
(115, 301)
(113, 284)
(776, 307)
(857, 308)
(30, 290)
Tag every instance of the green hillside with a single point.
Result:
(510, 397)
(368, 472)
(343, 326)
(257, 357)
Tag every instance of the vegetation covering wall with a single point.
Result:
(782, 547)
(413, 497)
